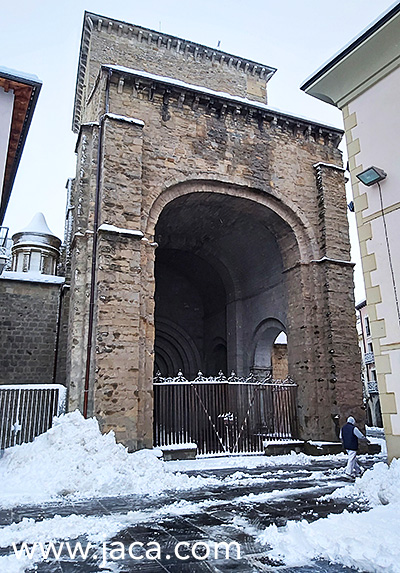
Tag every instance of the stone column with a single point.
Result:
(123, 327)
(322, 340)
(338, 294)
(124, 335)
(121, 360)
(82, 203)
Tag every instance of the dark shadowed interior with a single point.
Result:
(221, 299)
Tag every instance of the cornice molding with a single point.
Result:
(362, 63)
(148, 85)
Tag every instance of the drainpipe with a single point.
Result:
(94, 250)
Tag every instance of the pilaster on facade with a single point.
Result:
(333, 237)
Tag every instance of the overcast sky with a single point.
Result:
(42, 37)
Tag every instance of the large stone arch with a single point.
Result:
(283, 207)
(241, 238)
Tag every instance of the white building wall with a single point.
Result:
(372, 122)
(6, 111)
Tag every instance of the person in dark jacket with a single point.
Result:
(350, 435)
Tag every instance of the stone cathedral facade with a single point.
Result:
(201, 224)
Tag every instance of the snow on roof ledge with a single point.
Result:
(326, 259)
(23, 76)
(215, 94)
(331, 165)
(32, 277)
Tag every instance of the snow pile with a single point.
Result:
(379, 486)
(366, 541)
(73, 458)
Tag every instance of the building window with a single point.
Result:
(367, 328)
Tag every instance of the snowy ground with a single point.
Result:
(367, 541)
(73, 462)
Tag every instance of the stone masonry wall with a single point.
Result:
(62, 345)
(28, 325)
(192, 142)
(279, 361)
(114, 42)
(123, 337)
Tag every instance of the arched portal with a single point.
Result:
(264, 340)
(250, 210)
(220, 273)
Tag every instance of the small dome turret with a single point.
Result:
(35, 248)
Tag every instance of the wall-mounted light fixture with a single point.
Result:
(371, 176)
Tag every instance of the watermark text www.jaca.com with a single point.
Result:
(118, 551)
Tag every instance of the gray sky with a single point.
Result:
(43, 37)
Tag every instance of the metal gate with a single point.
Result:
(223, 415)
(28, 410)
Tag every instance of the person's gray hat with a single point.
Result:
(351, 420)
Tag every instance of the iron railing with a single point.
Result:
(221, 414)
(28, 410)
(372, 386)
(369, 358)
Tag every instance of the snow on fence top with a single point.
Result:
(221, 378)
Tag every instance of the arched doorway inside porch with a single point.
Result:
(270, 350)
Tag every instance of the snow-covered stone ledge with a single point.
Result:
(106, 228)
(312, 448)
(174, 452)
(32, 276)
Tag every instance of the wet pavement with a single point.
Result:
(236, 508)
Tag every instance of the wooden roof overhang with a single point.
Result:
(26, 91)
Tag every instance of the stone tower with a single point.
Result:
(203, 224)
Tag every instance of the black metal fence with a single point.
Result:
(28, 410)
(223, 415)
